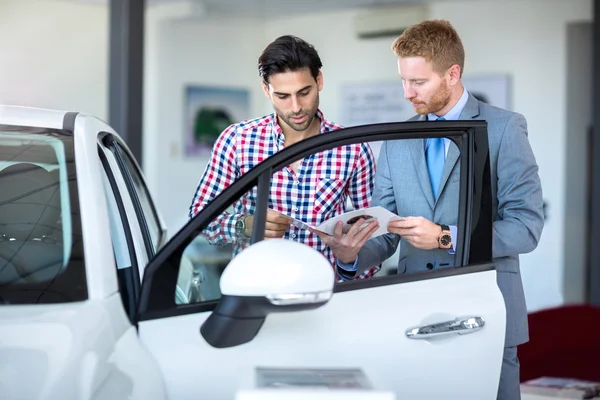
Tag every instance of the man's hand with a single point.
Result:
(418, 231)
(275, 227)
(345, 246)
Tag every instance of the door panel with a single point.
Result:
(360, 328)
(365, 323)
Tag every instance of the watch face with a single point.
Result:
(239, 227)
(445, 240)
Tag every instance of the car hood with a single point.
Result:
(53, 351)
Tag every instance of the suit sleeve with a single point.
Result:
(379, 249)
(520, 220)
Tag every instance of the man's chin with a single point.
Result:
(299, 128)
(420, 109)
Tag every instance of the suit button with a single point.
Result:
(429, 266)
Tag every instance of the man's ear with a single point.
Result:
(454, 73)
(320, 81)
(266, 91)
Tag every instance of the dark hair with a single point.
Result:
(288, 54)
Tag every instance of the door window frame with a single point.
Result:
(120, 152)
(473, 250)
(128, 277)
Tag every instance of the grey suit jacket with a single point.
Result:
(402, 186)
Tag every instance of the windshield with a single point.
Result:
(41, 252)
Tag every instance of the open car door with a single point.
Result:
(205, 316)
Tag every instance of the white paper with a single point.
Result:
(377, 213)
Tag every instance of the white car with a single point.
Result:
(95, 304)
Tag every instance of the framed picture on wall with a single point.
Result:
(494, 89)
(209, 110)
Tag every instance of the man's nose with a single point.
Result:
(296, 106)
(409, 93)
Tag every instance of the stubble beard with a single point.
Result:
(311, 114)
(439, 100)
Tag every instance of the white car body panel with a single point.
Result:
(335, 335)
(99, 256)
(74, 351)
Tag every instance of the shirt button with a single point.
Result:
(296, 183)
(293, 235)
(295, 208)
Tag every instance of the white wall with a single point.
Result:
(53, 54)
(210, 52)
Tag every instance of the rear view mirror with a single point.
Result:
(275, 275)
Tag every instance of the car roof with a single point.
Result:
(47, 118)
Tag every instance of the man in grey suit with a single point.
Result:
(419, 179)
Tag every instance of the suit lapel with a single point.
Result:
(470, 111)
(417, 151)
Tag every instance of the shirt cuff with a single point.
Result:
(348, 267)
(453, 232)
(347, 272)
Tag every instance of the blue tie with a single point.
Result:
(436, 157)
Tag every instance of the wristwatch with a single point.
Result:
(445, 238)
(240, 226)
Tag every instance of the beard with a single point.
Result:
(438, 101)
(310, 114)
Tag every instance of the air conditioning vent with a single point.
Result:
(388, 21)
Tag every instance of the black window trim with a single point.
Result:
(160, 278)
(133, 271)
(138, 169)
(113, 145)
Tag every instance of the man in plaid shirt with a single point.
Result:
(313, 189)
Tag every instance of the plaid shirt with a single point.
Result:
(317, 191)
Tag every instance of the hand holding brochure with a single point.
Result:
(377, 213)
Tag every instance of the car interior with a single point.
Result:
(31, 232)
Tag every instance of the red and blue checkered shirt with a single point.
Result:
(317, 191)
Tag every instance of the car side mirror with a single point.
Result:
(275, 275)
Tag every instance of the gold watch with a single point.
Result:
(445, 238)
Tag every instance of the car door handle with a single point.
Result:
(460, 326)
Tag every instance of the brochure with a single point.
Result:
(377, 213)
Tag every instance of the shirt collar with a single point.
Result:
(454, 113)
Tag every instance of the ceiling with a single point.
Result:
(273, 8)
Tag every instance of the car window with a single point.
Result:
(41, 249)
(347, 183)
(206, 257)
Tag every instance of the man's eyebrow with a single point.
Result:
(301, 90)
